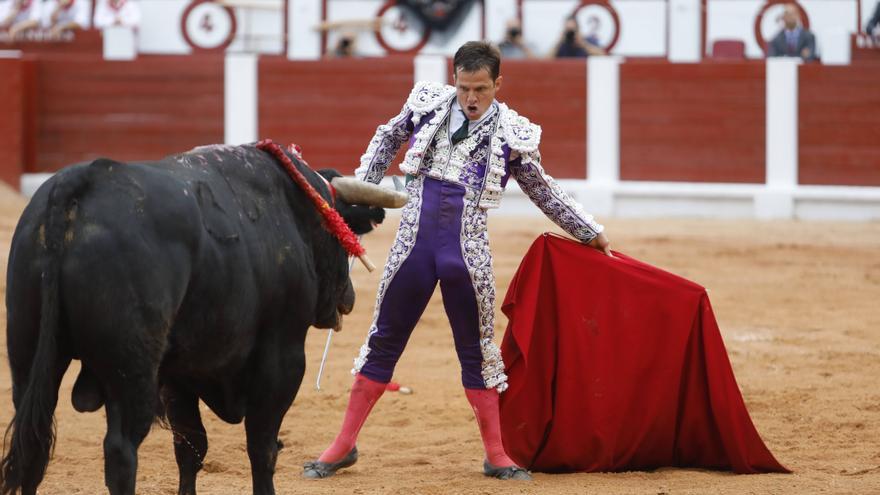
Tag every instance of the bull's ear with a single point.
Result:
(360, 219)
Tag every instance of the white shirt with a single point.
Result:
(456, 117)
(31, 13)
(129, 14)
(79, 13)
(4, 9)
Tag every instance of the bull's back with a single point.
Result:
(185, 255)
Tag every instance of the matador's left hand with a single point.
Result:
(601, 243)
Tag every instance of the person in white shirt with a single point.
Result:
(20, 16)
(117, 13)
(65, 15)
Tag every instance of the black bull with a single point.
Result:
(195, 277)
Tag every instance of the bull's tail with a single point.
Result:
(33, 426)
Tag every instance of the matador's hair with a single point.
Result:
(476, 55)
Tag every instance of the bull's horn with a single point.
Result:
(365, 193)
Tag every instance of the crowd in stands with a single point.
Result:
(873, 25)
(51, 19)
(792, 40)
(571, 43)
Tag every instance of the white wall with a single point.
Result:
(160, 27)
(259, 31)
(643, 28)
(304, 42)
(542, 22)
(735, 19)
(497, 14)
(645, 25)
(347, 10)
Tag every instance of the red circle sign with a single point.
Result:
(759, 36)
(610, 12)
(400, 30)
(208, 26)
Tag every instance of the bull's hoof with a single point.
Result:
(506, 473)
(318, 470)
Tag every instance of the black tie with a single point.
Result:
(462, 131)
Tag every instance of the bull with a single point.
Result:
(193, 277)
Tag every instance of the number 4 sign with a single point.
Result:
(207, 25)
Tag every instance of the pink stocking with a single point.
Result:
(364, 395)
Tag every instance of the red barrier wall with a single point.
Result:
(331, 107)
(12, 120)
(134, 110)
(679, 122)
(839, 124)
(552, 94)
(692, 122)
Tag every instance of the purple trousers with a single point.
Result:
(428, 250)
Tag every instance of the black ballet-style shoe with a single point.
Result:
(318, 470)
(506, 473)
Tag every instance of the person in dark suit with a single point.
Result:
(873, 26)
(794, 40)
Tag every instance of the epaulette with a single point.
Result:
(427, 96)
(520, 134)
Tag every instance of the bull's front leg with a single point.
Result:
(262, 448)
(274, 386)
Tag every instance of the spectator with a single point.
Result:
(346, 46)
(348, 31)
(572, 45)
(117, 13)
(21, 16)
(793, 40)
(513, 45)
(873, 26)
(592, 36)
(66, 15)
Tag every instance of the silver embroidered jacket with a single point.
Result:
(505, 145)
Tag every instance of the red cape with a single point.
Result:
(616, 365)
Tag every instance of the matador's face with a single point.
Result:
(475, 91)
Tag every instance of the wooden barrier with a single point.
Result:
(839, 125)
(692, 122)
(330, 107)
(12, 119)
(552, 94)
(678, 122)
(143, 109)
(864, 48)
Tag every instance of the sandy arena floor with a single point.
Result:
(797, 304)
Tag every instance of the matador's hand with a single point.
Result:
(601, 243)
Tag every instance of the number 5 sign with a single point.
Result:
(207, 25)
